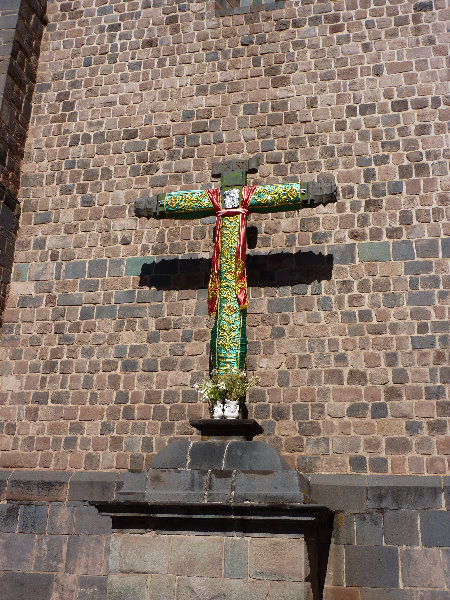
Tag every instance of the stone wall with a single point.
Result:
(106, 327)
(389, 541)
(21, 27)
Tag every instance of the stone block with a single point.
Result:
(60, 519)
(16, 551)
(408, 491)
(90, 587)
(65, 587)
(89, 521)
(401, 527)
(33, 518)
(92, 486)
(207, 455)
(50, 553)
(171, 487)
(131, 486)
(370, 566)
(48, 486)
(236, 558)
(369, 530)
(136, 264)
(20, 272)
(9, 518)
(432, 595)
(403, 250)
(276, 559)
(344, 529)
(204, 588)
(386, 594)
(85, 554)
(197, 556)
(340, 492)
(253, 456)
(435, 528)
(343, 254)
(422, 568)
(161, 586)
(220, 486)
(267, 487)
(341, 593)
(139, 553)
(128, 587)
(374, 251)
(21, 586)
(288, 590)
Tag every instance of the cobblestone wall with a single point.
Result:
(106, 328)
(21, 26)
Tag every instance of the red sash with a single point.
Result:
(240, 273)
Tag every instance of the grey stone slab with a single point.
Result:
(174, 487)
(340, 492)
(48, 486)
(404, 491)
(131, 487)
(139, 553)
(173, 456)
(344, 529)
(369, 530)
(9, 517)
(266, 487)
(50, 553)
(33, 518)
(401, 527)
(92, 486)
(15, 586)
(91, 586)
(126, 587)
(161, 587)
(236, 558)
(16, 551)
(432, 595)
(220, 486)
(371, 566)
(4, 475)
(60, 519)
(422, 568)
(386, 594)
(89, 521)
(446, 483)
(374, 251)
(207, 455)
(253, 456)
(435, 528)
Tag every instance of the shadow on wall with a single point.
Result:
(263, 270)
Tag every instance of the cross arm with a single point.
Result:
(291, 196)
(192, 204)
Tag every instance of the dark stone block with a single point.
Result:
(207, 455)
(435, 528)
(49, 555)
(173, 456)
(15, 586)
(401, 528)
(340, 492)
(33, 518)
(49, 486)
(16, 551)
(4, 475)
(266, 487)
(220, 486)
(405, 491)
(343, 254)
(253, 456)
(370, 566)
(173, 487)
(9, 517)
(92, 486)
(89, 521)
(369, 530)
(344, 529)
(131, 487)
(60, 519)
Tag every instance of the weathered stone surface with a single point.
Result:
(422, 568)
(401, 527)
(276, 559)
(368, 566)
(139, 554)
(404, 492)
(347, 493)
(28, 485)
(197, 556)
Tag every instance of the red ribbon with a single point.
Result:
(240, 273)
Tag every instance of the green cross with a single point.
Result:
(228, 336)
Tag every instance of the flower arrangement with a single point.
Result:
(231, 385)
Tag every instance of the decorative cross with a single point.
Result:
(231, 204)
